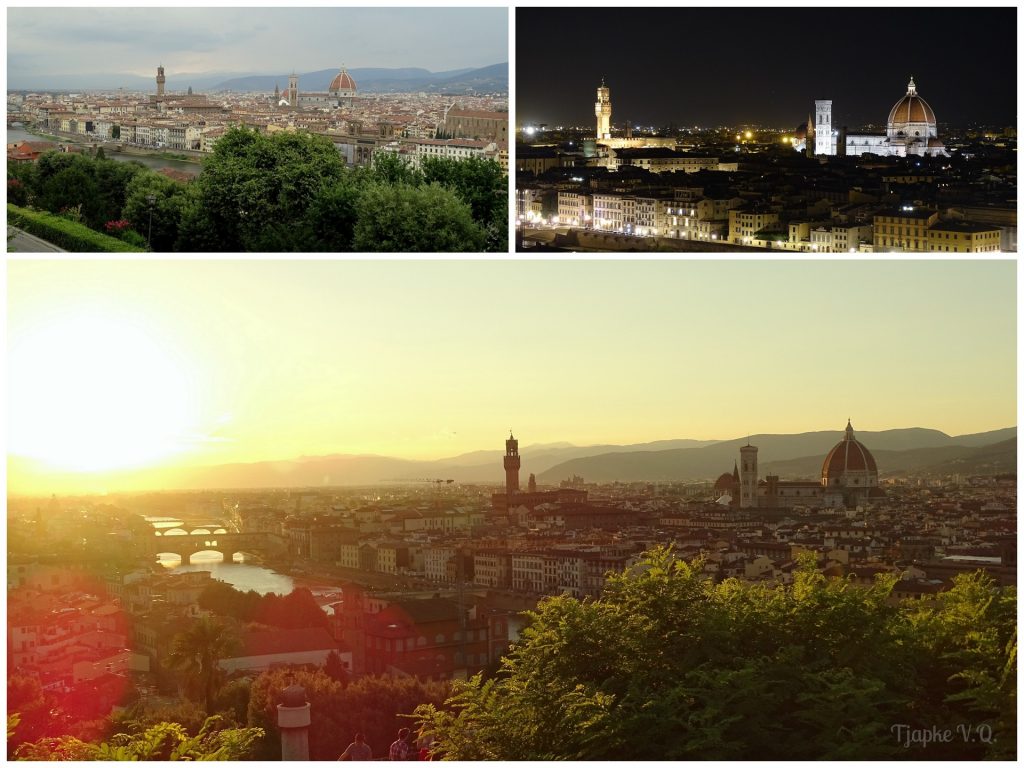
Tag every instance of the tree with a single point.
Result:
(331, 218)
(162, 741)
(482, 185)
(402, 218)
(669, 665)
(255, 189)
(390, 168)
(198, 650)
(160, 220)
(334, 668)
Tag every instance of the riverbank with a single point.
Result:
(194, 157)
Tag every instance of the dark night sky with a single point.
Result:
(714, 66)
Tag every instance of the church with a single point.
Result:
(849, 477)
(911, 130)
(339, 93)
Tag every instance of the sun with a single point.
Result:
(91, 390)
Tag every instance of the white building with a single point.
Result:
(910, 130)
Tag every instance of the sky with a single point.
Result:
(43, 42)
(115, 364)
(730, 66)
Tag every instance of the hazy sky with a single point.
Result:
(118, 363)
(43, 41)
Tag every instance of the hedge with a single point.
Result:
(69, 235)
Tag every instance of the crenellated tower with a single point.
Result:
(160, 80)
(603, 111)
(512, 462)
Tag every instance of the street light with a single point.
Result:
(151, 199)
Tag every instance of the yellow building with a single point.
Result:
(963, 237)
(745, 224)
(905, 229)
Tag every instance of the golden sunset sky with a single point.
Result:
(118, 364)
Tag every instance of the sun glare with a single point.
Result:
(90, 391)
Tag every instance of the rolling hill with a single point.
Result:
(923, 451)
(490, 79)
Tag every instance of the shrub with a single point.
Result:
(69, 235)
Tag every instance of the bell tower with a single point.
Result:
(748, 476)
(603, 111)
(823, 127)
(512, 462)
(293, 90)
(160, 80)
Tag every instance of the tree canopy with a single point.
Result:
(277, 192)
(668, 665)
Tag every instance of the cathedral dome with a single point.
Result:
(342, 82)
(849, 463)
(724, 482)
(911, 113)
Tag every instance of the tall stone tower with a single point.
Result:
(809, 138)
(823, 127)
(748, 476)
(603, 110)
(512, 462)
(293, 90)
(160, 80)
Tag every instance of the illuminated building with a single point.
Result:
(911, 129)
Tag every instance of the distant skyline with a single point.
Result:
(156, 363)
(82, 42)
(733, 65)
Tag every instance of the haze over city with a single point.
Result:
(155, 364)
(90, 47)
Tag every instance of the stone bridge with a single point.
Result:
(228, 544)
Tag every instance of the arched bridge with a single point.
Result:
(228, 544)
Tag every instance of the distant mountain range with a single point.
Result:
(897, 451)
(890, 448)
(490, 79)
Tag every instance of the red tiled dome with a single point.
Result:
(911, 109)
(724, 482)
(342, 82)
(848, 456)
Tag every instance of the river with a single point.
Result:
(150, 161)
(239, 574)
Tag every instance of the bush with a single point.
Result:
(68, 235)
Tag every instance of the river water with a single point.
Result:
(239, 574)
(156, 163)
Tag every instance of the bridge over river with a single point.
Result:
(185, 545)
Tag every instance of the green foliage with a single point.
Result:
(390, 168)
(375, 706)
(162, 741)
(331, 219)
(399, 218)
(96, 186)
(668, 665)
(255, 189)
(198, 650)
(161, 219)
(141, 716)
(482, 185)
(68, 235)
